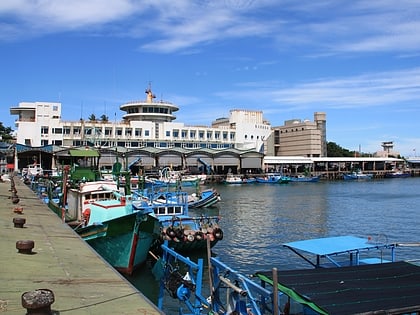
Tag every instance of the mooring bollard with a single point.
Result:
(38, 302)
(19, 222)
(25, 246)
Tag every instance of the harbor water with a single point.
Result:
(258, 218)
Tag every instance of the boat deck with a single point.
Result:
(81, 281)
(392, 288)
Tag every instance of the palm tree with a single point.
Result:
(104, 118)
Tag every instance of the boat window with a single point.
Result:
(178, 210)
(160, 210)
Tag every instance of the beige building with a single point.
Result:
(300, 138)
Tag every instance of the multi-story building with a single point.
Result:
(146, 123)
(301, 137)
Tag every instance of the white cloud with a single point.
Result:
(170, 26)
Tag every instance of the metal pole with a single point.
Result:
(275, 293)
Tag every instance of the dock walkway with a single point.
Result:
(81, 281)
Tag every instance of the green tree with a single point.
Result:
(5, 132)
(104, 118)
(334, 150)
(92, 117)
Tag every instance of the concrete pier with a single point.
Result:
(39, 252)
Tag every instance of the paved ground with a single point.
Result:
(81, 281)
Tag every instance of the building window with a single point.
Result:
(119, 131)
(57, 142)
(175, 133)
(146, 133)
(168, 133)
(44, 142)
(44, 130)
(137, 132)
(183, 134)
(57, 131)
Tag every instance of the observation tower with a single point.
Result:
(149, 109)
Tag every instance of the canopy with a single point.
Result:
(83, 153)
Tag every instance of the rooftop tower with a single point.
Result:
(149, 109)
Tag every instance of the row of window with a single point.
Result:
(153, 144)
(138, 132)
(153, 110)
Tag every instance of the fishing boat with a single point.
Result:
(184, 233)
(397, 174)
(71, 199)
(118, 233)
(204, 198)
(355, 284)
(273, 179)
(167, 176)
(357, 175)
(230, 291)
(305, 179)
(233, 179)
(368, 288)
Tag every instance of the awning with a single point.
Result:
(83, 153)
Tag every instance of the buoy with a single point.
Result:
(218, 233)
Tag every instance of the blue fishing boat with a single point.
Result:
(371, 284)
(357, 175)
(305, 179)
(230, 291)
(273, 179)
(204, 198)
(368, 288)
(397, 174)
(184, 233)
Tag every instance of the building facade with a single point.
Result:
(301, 137)
(146, 123)
(149, 125)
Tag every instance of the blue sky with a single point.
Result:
(358, 61)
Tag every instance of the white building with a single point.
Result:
(146, 123)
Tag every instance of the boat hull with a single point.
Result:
(208, 198)
(124, 242)
(397, 175)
